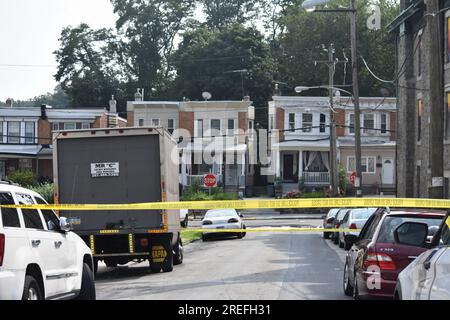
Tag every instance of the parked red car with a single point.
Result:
(377, 257)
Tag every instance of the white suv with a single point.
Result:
(39, 257)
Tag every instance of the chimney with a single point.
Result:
(43, 111)
(9, 102)
(112, 105)
(138, 95)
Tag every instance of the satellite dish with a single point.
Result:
(206, 95)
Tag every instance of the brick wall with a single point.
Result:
(187, 122)
(339, 119)
(280, 122)
(130, 119)
(44, 132)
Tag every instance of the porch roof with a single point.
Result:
(323, 145)
(214, 146)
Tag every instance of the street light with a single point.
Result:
(310, 6)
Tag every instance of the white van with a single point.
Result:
(39, 257)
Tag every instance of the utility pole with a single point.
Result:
(358, 181)
(334, 166)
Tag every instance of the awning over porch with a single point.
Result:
(294, 145)
(20, 151)
(214, 146)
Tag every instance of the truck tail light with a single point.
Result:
(144, 242)
(2, 248)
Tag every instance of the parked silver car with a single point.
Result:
(223, 219)
(354, 219)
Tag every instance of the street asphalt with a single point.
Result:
(261, 266)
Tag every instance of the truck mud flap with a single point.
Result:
(161, 254)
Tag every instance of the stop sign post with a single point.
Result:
(210, 181)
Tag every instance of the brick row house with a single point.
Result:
(26, 135)
(300, 141)
(423, 40)
(216, 137)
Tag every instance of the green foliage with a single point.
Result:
(220, 14)
(195, 193)
(46, 190)
(24, 178)
(343, 180)
(308, 195)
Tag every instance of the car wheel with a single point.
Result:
(178, 253)
(31, 289)
(347, 245)
(95, 266)
(348, 288)
(242, 234)
(87, 291)
(336, 239)
(355, 288)
(341, 244)
(326, 235)
(204, 238)
(155, 269)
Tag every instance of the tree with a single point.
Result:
(87, 71)
(220, 13)
(300, 45)
(229, 64)
(58, 99)
(147, 31)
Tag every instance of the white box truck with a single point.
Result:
(121, 166)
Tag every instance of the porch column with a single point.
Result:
(278, 164)
(183, 169)
(243, 164)
(300, 165)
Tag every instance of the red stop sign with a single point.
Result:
(353, 178)
(210, 180)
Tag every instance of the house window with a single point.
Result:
(70, 126)
(171, 125)
(85, 125)
(384, 127)
(351, 125)
(155, 122)
(292, 122)
(323, 122)
(215, 127)
(55, 126)
(29, 133)
(369, 123)
(1, 132)
(367, 165)
(230, 127)
(307, 121)
(25, 164)
(200, 128)
(250, 125)
(141, 122)
(14, 132)
(419, 119)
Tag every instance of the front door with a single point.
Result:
(288, 167)
(388, 171)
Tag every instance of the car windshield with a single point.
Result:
(332, 213)
(391, 223)
(361, 214)
(220, 213)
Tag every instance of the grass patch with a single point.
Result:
(187, 236)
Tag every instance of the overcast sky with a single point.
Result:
(29, 33)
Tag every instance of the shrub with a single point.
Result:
(46, 190)
(24, 178)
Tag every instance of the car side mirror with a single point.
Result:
(411, 234)
(65, 225)
(241, 215)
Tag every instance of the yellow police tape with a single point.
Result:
(281, 229)
(253, 204)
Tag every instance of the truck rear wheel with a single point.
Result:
(168, 266)
(178, 253)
